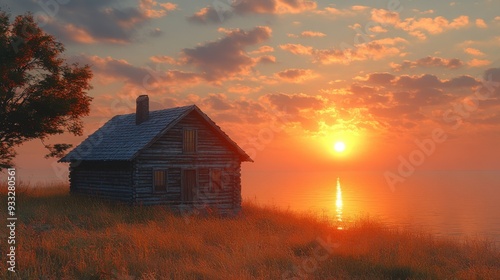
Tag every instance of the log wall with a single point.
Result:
(212, 152)
(108, 180)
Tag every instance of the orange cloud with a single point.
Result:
(263, 49)
(404, 102)
(297, 49)
(218, 13)
(79, 35)
(352, 11)
(478, 62)
(163, 59)
(378, 29)
(376, 50)
(474, 52)
(385, 17)
(149, 8)
(418, 26)
(296, 75)
(242, 89)
(310, 34)
(480, 23)
(429, 61)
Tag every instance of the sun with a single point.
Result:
(339, 146)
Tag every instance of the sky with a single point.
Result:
(406, 85)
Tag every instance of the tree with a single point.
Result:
(40, 94)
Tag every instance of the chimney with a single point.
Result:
(142, 109)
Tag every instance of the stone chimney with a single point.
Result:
(142, 109)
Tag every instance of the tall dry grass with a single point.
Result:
(65, 237)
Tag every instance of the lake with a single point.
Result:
(447, 203)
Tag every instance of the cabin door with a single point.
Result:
(189, 185)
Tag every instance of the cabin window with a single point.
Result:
(189, 141)
(215, 180)
(160, 180)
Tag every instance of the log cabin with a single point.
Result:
(177, 157)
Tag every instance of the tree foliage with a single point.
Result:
(40, 94)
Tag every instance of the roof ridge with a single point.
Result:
(166, 109)
(121, 139)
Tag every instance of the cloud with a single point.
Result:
(429, 61)
(478, 62)
(221, 11)
(480, 23)
(474, 52)
(297, 49)
(110, 70)
(431, 81)
(405, 102)
(79, 35)
(296, 75)
(156, 32)
(95, 21)
(226, 57)
(463, 81)
(217, 102)
(312, 34)
(349, 12)
(243, 89)
(492, 75)
(378, 29)
(163, 59)
(295, 102)
(307, 34)
(433, 26)
(266, 59)
(153, 9)
(418, 81)
(207, 14)
(423, 12)
(418, 27)
(385, 17)
(375, 50)
(215, 61)
(263, 49)
(380, 78)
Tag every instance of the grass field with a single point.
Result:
(59, 236)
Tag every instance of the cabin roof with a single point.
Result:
(121, 139)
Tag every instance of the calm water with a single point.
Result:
(457, 204)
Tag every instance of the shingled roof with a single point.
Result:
(121, 139)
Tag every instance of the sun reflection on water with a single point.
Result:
(339, 204)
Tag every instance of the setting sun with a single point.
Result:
(339, 146)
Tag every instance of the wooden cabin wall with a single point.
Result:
(166, 153)
(108, 180)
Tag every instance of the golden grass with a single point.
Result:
(65, 237)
